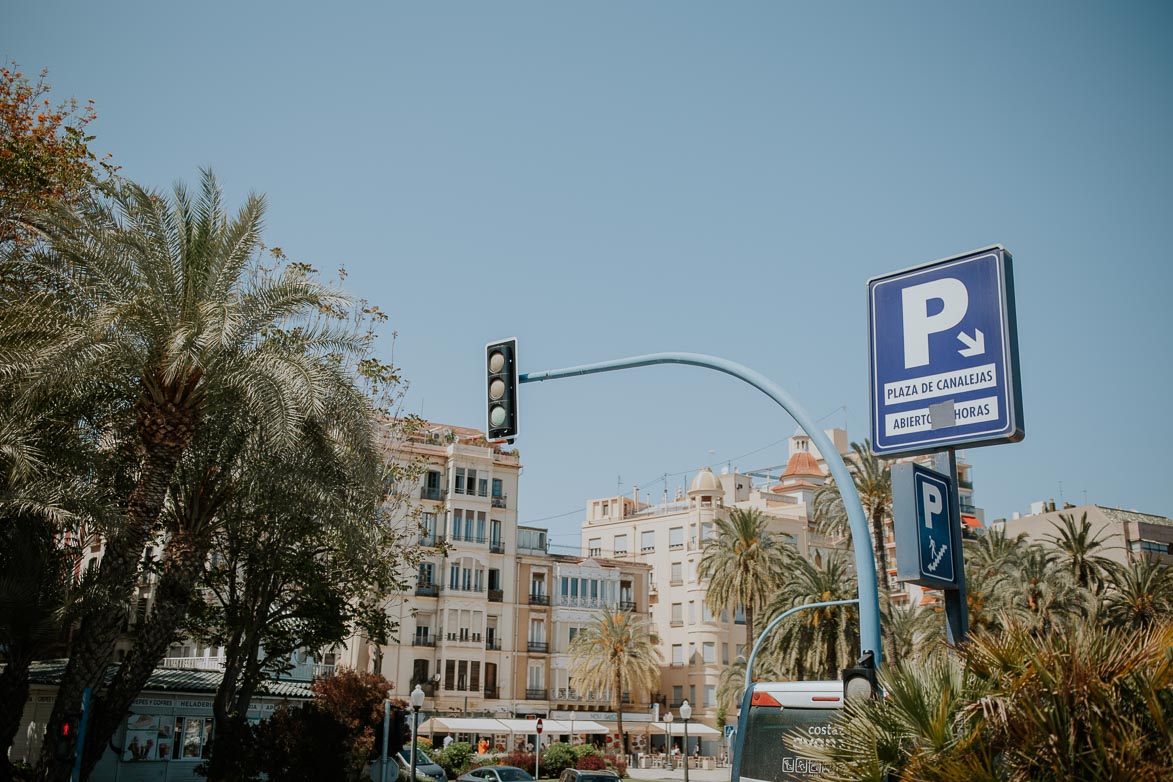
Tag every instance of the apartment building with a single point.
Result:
(1128, 535)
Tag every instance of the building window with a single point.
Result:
(427, 573)
(498, 490)
(710, 696)
(482, 491)
(571, 632)
(595, 547)
(192, 737)
(471, 486)
(459, 480)
(677, 694)
(677, 654)
(620, 544)
(691, 612)
(677, 614)
(706, 613)
(676, 538)
(706, 530)
(449, 674)
(709, 650)
(677, 574)
(724, 654)
(647, 541)
(457, 524)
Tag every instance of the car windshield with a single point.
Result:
(421, 759)
(513, 775)
(769, 732)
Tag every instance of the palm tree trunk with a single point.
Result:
(749, 636)
(619, 710)
(173, 594)
(165, 438)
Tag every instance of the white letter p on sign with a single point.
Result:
(932, 501)
(919, 324)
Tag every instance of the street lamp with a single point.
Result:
(685, 713)
(671, 759)
(417, 700)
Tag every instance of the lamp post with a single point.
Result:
(417, 700)
(671, 759)
(685, 713)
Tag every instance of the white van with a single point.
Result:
(774, 712)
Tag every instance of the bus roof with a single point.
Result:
(801, 695)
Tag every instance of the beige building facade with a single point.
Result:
(1127, 535)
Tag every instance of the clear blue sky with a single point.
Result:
(605, 179)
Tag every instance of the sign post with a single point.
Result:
(943, 358)
(538, 750)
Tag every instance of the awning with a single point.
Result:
(462, 725)
(677, 729)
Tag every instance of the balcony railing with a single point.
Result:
(626, 605)
(538, 647)
(539, 599)
(582, 602)
(427, 590)
(193, 663)
(423, 640)
(535, 695)
(460, 588)
(493, 644)
(499, 502)
(428, 493)
(492, 692)
(571, 695)
(496, 547)
(465, 637)
(496, 595)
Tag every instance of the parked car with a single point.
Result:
(497, 774)
(423, 765)
(581, 775)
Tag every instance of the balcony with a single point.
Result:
(423, 640)
(539, 599)
(193, 663)
(499, 502)
(492, 692)
(493, 644)
(675, 546)
(676, 582)
(496, 547)
(538, 647)
(496, 595)
(427, 590)
(459, 588)
(435, 494)
(626, 605)
(677, 623)
(465, 637)
(535, 695)
(431, 540)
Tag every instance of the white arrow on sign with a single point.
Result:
(975, 345)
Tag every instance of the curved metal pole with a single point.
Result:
(865, 565)
(757, 644)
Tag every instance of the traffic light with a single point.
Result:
(860, 682)
(399, 735)
(501, 390)
(66, 739)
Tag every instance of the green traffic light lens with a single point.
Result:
(497, 415)
(496, 361)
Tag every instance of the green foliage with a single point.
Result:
(455, 759)
(742, 563)
(556, 758)
(1091, 703)
(583, 750)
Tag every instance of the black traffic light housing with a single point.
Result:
(399, 735)
(66, 739)
(501, 390)
(860, 681)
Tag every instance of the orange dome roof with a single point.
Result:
(802, 463)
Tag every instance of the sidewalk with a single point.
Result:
(694, 774)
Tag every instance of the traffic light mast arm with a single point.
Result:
(865, 565)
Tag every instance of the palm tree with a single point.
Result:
(820, 641)
(912, 630)
(162, 300)
(1078, 548)
(1141, 593)
(742, 563)
(994, 550)
(1042, 593)
(615, 652)
(873, 481)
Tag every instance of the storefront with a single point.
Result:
(167, 732)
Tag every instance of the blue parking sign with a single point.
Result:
(926, 531)
(943, 350)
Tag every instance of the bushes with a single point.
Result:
(520, 759)
(617, 764)
(557, 758)
(454, 759)
(594, 762)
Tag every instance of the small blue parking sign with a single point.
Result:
(943, 351)
(926, 532)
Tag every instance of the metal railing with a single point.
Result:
(626, 605)
(427, 493)
(539, 599)
(496, 595)
(538, 647)
(492, 692)
(427, 590)
(499, 502)
(496, 547)
(423, 640)
(493, 644)
(535, 695)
